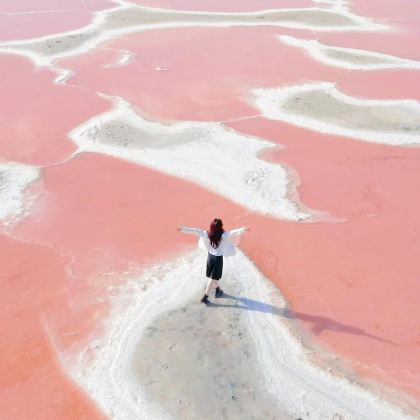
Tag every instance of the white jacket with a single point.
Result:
(226, 246)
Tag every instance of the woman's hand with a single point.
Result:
(247, 229)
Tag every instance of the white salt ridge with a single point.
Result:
(349, 58)
(208, 154)
(301, 388)
(14, 179)
(271, 103)
(126, 57)
(100, 31)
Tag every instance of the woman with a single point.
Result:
(217, 242)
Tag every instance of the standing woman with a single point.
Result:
(217, 242)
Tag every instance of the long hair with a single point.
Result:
(215, 232)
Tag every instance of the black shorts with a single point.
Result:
(214, 266)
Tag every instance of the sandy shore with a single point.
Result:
(168, 356)
(202, 362)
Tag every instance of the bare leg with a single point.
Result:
(209, 287)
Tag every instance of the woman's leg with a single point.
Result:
(211, 284)
(209, 287)
(219, 291)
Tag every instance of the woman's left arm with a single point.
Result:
(237, 232)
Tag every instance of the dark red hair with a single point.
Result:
(215, 232)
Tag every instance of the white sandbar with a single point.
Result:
(209, 154)
(322, 107)
(349, 58)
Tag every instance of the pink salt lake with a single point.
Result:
(352, 285)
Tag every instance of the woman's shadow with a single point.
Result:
(319, 323)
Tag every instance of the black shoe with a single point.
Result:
(205, 299)
(219, 292)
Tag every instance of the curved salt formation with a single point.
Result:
(14, 179)
(322, 107)
(128, 19)
(285, 369)
(349, 58)
(188, 150)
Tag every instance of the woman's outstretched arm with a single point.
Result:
(237, 232)
(192, 231)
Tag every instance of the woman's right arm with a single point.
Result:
(192, 231)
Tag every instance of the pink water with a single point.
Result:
(204, 81)
(353, 284)
(37, 115)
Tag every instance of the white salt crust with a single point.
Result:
(271, 103)
(302, 389)
(14, 179)
(100, 30)
(335, 4)
(349, 58)
(126, 57)
(208, 154)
